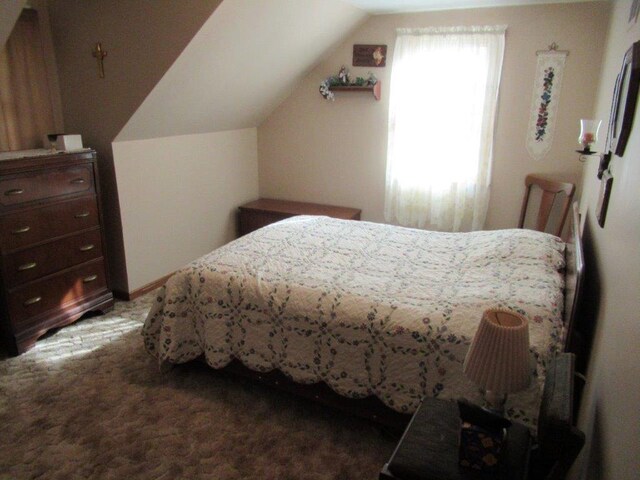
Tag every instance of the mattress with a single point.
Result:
(369, 309)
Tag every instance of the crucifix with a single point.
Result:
(99, 55)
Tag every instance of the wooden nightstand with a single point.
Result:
(429, 446)
(262, 212)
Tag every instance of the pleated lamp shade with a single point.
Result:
(498, 359)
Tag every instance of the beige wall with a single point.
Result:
(335, 152)
(179, 197)
(142, 39)
(610, 413)
(9, 13)
(173, 68)
(50, 62)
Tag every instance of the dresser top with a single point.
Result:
(25, 160)
(38, 152)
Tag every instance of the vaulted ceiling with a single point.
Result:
(245, 59)
(243, 62)
(248, 57)
(396, 6)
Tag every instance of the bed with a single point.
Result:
(364, 310)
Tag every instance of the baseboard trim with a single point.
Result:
(138, 292)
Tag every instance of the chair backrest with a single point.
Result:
(559, 442)
(550, 189)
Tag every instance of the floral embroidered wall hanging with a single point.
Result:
(544, 104)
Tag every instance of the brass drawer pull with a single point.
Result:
(86, 248)
(20, 230)
(14, 191)
(27, 266)
(90, 278)
(32, 301)
(82, 215)
(77, 181)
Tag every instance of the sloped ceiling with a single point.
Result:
(378, 7)
(243, 62)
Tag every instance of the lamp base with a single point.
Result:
(495, 401)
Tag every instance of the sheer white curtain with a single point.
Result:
(442, 108)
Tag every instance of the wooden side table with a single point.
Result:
(262, 212)
(429, 446)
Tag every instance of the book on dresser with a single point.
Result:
(53, 260)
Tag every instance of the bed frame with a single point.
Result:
(372, 408)
(574, 280)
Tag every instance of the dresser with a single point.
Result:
(53, 263)
(262, 212)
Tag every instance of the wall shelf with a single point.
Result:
(375, 89)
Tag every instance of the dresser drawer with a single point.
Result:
(250, 220)
(45, 184)
(36, 262)
(54, 293)
(24, 228)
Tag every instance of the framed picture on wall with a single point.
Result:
(625, 97)
(369, 55)
(603, 198)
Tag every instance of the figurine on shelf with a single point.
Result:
(343, 81)
(343, 75)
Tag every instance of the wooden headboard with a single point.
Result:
(574, 278)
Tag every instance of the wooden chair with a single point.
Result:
(550, 190)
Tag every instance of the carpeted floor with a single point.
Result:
(89, 402)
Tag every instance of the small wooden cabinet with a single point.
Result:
(53, 267)
(262, 212)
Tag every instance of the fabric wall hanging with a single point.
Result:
(544, 104)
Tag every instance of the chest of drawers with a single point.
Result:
(53, 267)
(262, 212)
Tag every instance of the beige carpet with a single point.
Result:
(89, 402)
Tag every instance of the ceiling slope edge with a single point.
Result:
(244, 61)
(9, 13)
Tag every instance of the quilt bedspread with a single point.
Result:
(369, 309)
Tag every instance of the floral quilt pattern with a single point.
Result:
(369, 309)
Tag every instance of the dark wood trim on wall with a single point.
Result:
(142, 290)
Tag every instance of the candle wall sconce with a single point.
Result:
(623, 107)
(588, 134)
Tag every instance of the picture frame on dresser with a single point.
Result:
(53, 260)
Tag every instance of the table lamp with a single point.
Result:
(498, 358)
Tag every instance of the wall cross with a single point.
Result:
(99, 55)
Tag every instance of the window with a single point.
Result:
(444, 91)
